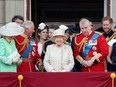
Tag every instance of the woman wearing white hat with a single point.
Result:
(9, 56)
(59, 56)
(42, 36)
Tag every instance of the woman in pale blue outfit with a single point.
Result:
(9, 56)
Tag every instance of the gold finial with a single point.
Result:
(113, 76)
(20, 78)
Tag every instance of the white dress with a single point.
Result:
(58, 59)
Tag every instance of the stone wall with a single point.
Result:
(9, 8)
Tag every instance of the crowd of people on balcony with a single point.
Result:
(57, 48)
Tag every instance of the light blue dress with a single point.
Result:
(6, 49)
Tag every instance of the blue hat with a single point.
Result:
(74, 29)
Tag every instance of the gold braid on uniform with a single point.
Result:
(112, 37)
(23, 43)
(82, 43)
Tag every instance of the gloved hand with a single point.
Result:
(89, 63)
(19, 61)
(84, 63)
(15, 59)
(15, 56)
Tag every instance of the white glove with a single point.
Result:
(89, 63)
(19, 61)
(84, 63)
(15, 56)
(15, 59)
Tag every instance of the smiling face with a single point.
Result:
(59, 40)
(107, 26)
(43, 34)
(50, 33)
(30, 30)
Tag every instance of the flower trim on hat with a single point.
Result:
(63, 27)
(42, 26)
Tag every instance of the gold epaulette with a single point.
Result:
(98, 33)
(112, 37)
(23, 43)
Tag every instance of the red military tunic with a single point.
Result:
(28, 64)
(98, 52)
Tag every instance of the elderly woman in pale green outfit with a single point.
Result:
(9, 56)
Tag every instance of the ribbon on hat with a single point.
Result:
(63, 27)
(42, 26)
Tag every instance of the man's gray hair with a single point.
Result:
(27, 24)
(84, 21)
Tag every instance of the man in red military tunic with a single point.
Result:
(27, 47)
(90, 48)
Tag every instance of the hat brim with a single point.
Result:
(11, 34)
(8, 32)
(64, 36)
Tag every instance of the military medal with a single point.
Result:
(94, 48)
(94, 53)
(92, 42)
(32, 43)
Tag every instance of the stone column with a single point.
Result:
(113, 14)
(2, 12)
(13, 7)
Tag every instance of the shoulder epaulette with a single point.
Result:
(25, 41)
(98, 33)
(112, 37)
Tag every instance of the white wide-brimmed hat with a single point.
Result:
(11, 29)
(59, 32)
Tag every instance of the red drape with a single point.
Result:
(45, 79)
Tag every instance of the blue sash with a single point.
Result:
(28, 50)
(88, 47)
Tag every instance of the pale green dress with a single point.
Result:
(6, 49)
